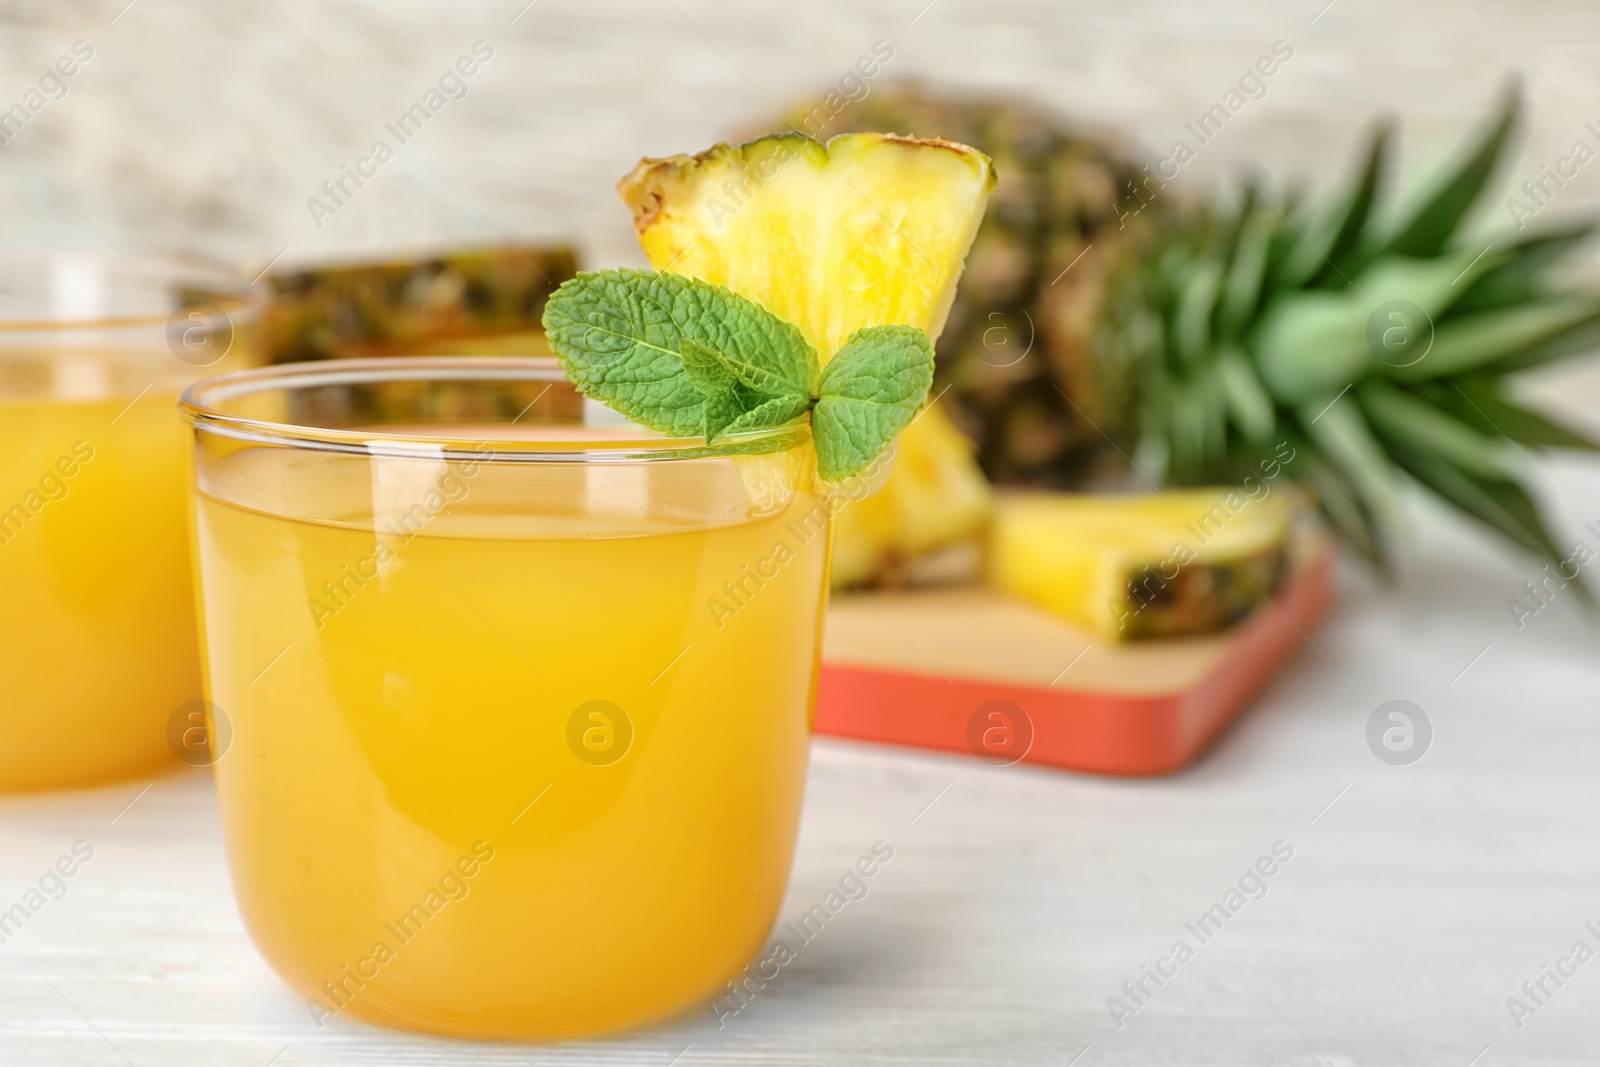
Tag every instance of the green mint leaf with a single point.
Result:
(718, 388)
(618, 343)
(686, 357)
(650, 345)
(730, 405)
(871, 390)
(770, 413)
(707, 370)
(720, 412)
(765, 381)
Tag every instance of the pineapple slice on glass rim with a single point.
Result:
(868, 229)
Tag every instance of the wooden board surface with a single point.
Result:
(972, 670)
(972, 632)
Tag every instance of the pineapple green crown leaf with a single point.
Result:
(1369, 348)
(1436, 221)
(1352, 219)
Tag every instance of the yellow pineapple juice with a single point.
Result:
(518, 744)
(97, 642)
(97, 639)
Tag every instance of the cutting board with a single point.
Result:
(972, 671)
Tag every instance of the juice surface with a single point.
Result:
(97, 646)
(509, 756)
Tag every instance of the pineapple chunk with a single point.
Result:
(935, 496)
(867, 230)
(1156, 564)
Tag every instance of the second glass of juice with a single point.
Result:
(518, 704)
(97, 640)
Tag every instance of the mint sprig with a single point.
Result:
(871, 390)
(686, 357)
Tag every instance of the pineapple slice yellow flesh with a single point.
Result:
(867, 230)
(1158, 564)
(935, 496)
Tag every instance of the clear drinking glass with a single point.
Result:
(97, 640)
(511, 709)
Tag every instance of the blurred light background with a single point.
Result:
(207, 126)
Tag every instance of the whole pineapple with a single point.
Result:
(1199, 340)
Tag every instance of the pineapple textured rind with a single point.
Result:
(1125, 566)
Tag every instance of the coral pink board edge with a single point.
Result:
(1103, 733)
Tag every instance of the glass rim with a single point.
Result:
(240, 299)
(198, 405)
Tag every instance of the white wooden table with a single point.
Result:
(1418, 898)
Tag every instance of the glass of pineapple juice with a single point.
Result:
(520, 704)
(97, 640)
